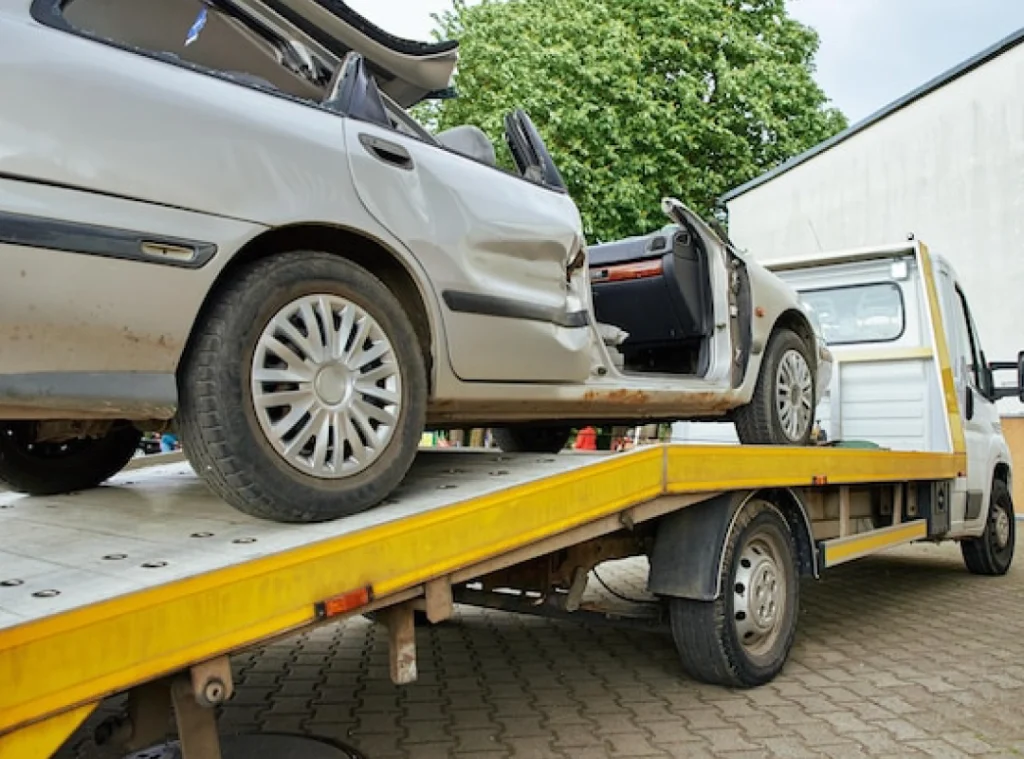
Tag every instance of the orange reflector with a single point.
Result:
(622, 272)
(819, 479)
(345, 602)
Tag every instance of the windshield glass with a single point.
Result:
(871, 313)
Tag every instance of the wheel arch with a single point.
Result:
(792, 319)
(370, 253)
(686, 560)
(1003, 474)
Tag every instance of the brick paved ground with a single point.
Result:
(900, 655)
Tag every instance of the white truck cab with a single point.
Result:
(910, 371)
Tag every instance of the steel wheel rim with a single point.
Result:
(326, 386)
(759, 594)
(1001, 531)
(793, 394)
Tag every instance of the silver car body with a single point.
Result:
(131, 184)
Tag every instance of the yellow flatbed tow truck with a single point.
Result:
(146, 586)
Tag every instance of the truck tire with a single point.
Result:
(742, 638)
(303, 393)
(781, 411)
(531, 439)
(55, 468)
(992, 552)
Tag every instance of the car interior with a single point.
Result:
(656, 288)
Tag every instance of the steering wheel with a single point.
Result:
(529, 152)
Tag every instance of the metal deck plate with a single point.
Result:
(148, 527)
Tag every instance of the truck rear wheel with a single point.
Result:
(52, 468)
(992, 552)
(781, 412)
(742, 638)
(531, 439)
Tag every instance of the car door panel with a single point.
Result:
(496, 248)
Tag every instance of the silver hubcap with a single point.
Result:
(793, 393)
(326, 386)
(759, 595)
(1002, 528)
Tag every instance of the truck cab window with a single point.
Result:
(971, 345)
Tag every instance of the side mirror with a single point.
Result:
(1020, 376)
(1007, 392)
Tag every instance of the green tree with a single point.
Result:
(637, 99)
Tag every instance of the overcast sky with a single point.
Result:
(872, 51)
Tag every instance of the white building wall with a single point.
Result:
(949, 168)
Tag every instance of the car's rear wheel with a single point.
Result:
(531, 439)
(51, 468)
(303, 396)
(781, 412)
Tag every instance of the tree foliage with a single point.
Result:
(637, 99)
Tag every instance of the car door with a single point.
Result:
(495, 246)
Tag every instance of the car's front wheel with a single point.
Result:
(303, 396)
(51, 468)
(781, 411)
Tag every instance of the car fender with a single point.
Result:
(771, 300)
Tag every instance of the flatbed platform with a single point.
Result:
(104, 590)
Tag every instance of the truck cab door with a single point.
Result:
(978, 410)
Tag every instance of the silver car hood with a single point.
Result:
(406, 70)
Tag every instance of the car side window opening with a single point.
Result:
(868, 313)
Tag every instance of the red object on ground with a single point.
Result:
(586, 439)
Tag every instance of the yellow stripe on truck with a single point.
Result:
(956, 429)
(854, 547)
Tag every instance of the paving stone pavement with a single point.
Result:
(900, 655)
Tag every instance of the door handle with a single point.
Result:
(387, 151)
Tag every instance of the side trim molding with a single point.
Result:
(106, 242)
(136, 395)
(508, 308)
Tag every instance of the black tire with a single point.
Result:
(992, 552)
(707, 634)
(220, 432)
(531, 439)
(55, 468)
(759, 422)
